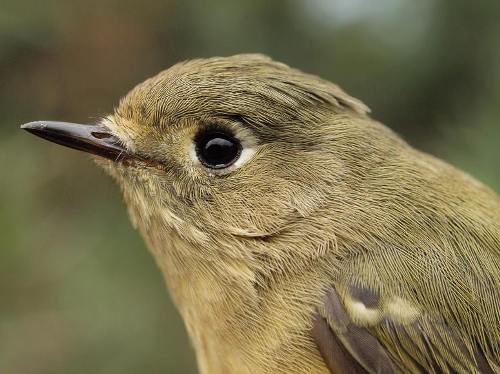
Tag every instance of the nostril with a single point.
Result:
(101, 135)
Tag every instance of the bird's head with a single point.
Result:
(231, 147)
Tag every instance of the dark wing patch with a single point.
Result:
(347, 348)
(389, 345)
(368, 297)
(336, 357)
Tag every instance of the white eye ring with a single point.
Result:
(245, 155)
(217, 149)
(247, 144)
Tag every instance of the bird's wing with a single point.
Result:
(371, 329)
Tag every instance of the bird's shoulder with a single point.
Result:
(404, 312)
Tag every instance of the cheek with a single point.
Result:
(276, 187)
(259, 207)
(251, 216)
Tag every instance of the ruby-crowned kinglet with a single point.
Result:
(295, 233)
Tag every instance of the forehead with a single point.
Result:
(252, 88)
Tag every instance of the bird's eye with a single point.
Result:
(216, 149)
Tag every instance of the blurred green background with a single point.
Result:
(78, 291)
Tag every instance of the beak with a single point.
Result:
(94, 139)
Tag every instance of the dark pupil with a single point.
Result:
(218, 150)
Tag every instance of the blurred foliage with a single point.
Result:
(79, 292)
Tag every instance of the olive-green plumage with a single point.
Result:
(330, 245)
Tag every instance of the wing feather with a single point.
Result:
(391, 345)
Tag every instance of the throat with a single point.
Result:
(215, 297)
(234, 325)
(216, 311)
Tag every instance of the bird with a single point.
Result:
(295, 233)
